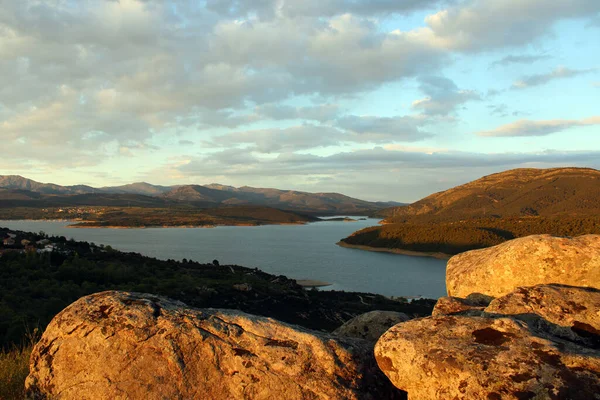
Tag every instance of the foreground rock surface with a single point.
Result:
(456, 305)
(370, 326)
(462, 357)
(138, 346)
(570, 312)
(528, 261)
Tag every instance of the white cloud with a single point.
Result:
(443, 96)
(540, 79)
(476, 25)
(98, 77)
(526, 127)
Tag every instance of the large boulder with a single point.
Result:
(462, 357)
(138, 346)
(528, 261)
(569, 312)
(370, 326)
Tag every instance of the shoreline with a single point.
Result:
(438, 255)
(76, 226)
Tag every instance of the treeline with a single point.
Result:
(456, 237)
(34, 287)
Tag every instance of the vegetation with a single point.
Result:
(36, 286)
(14, 367)
(568, 192)
(136, 217)
(459, 236)
(491, 210)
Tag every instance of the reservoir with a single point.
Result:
(296, 251)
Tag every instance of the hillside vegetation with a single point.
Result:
(519, 192)
(456, 237)
(36, 286)
(491, 210)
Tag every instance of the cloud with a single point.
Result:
(267, 9)
(541, 79)
(443, 96)
(519, 59)
(320, 113)
(403, 174)
(278, 140)
(379, 159)
(538, 128)
(96, 78)
(384, 129)
(478, 25)
(502, 110)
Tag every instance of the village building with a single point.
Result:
(9, 242)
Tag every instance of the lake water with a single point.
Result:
(297, 251)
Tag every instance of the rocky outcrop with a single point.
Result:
(539, 341)
(127, 345)
(462, 357)
(370, 326)
(456, 305)
(528, 261)
(569, 312)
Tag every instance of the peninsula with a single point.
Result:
(489, 211)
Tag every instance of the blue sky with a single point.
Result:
(379, 99)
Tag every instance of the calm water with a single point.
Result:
(297, 251)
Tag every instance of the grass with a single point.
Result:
(14, 367)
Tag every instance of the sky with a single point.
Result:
(376, 99)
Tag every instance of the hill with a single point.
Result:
(19, 183)
(489, 211)
(138, 188)
(326, 203)
(148, 195)
(518, 192)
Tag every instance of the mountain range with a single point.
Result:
(19, 191)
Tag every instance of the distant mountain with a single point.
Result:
(518, 192)
(138, 188)
(209, 196)
(284, 199)
(18, 182)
